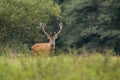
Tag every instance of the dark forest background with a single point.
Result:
(88, 25)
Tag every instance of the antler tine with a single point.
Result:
(43, 25)
(60, 25)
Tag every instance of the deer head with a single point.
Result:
(50, 37)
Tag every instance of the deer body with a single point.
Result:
(42, 48)
(46, 48)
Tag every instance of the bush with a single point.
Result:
(14, 48)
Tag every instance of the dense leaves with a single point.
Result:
(18, 17)
(90, 24)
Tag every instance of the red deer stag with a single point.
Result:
(46, 48)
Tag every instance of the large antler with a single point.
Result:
(60, 25)
(43, 25)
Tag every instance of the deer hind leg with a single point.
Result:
(35, 53)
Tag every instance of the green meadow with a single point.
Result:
(61, 67)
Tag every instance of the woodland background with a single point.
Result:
(88, 25)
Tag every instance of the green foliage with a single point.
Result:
(20, 17)
(62, 67)
(90, 24)
(91, 21)
(14, 48)
(28, 11)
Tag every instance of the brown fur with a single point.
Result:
(42, 48)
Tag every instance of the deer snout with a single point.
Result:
(52, 46)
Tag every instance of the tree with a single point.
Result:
(19, 19)
(79, 17)
(94, 23)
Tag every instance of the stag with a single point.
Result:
(46, 48)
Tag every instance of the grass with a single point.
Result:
(61, 67)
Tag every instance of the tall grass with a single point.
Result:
(14, 48)
(62, 67)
